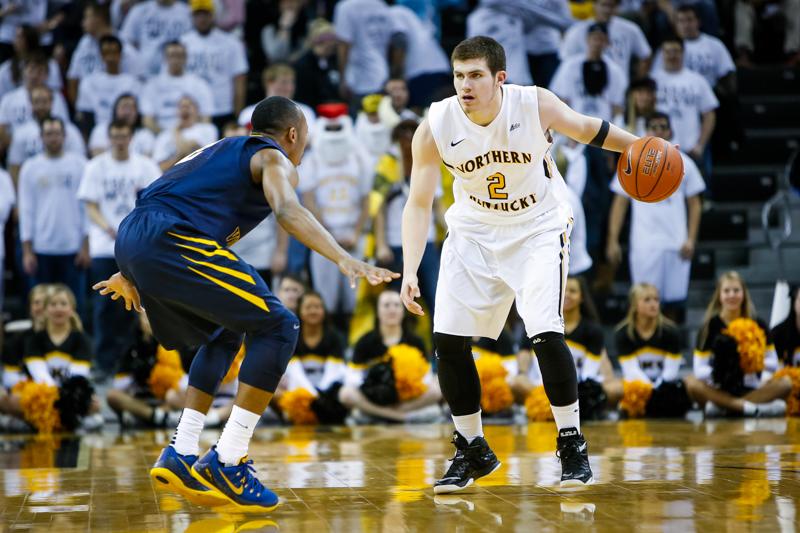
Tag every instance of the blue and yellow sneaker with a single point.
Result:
(173, 472)
(239, 483)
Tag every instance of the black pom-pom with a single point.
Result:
(327, 406)
(726, 370)
(74, 400)
(378, 385)
(669, 400)
(592, 399)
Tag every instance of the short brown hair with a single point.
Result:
(481, 47)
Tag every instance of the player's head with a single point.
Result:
(658, 125)
(687, 23)
(479, 69)
(672, 52)
(576, 295)
(280, 118)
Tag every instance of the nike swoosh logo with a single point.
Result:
(186, 466)
(582, 448)
(459, 142)
(238, 491)
(628, 168)
(297, 326)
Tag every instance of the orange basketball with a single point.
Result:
(650, 169)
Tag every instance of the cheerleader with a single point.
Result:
(368, 380)
(787, 334)
(728, 382)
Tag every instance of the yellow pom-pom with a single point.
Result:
(409, 367)
(489, 367)
(635, 395)
(495, 392)
(751, 343)
(37, 401)
(166, 373)
(793, 401)
(537, 405)
(296, 404)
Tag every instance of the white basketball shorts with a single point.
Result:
(485, 268)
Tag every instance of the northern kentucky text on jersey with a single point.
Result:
(494, 156)
(515, 205)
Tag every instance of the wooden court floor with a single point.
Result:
(728, 475)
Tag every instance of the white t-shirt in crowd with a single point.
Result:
(625, 39)
(218, 58)
(202, 133)
(50, 214)
(338, 187)
(161, 95)
(541, 37)
(568, 84)
(98, 91)
(31, 12)
(16, 109)
(113, 186)
(395, 202)
(705, 55)
(7, 82)
(258, 246)
(684, 95)
(142, 142)
(7, 200)
(663, 225)
(27, 142)
(367, 26)
(424, 54)
(149, 25)
(510, 33)
(86, 59)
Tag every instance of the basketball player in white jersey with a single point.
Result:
(508, 239)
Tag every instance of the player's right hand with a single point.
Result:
(118, 287)
(354, 269)
(408, 292)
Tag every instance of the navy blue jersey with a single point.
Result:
(212, 189)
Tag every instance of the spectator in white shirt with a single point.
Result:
(86, 58)
(282, 37)
(219, 58)
(108, 189)
(278, 80)
(688, 100)
(663, 234)
(626, 38)
(15, 13)
(27, 139)
(367, 31)
(492, 20)
(126, 109)
(98, 91)
(185, 137)
(148, 25)
(592, 84)
(15, 107)
(7, 201)
(26, 42)
(317, 70)
(161, 93)
(394, 107)
(51, 218)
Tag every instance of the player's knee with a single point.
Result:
(452, 347)
(551, 337)
(269, 351)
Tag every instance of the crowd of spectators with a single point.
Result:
(97, 98)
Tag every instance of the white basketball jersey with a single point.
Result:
(504, 173)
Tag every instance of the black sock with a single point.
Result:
(559, 375)
(458, 377)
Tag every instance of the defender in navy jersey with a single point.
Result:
(174, 260)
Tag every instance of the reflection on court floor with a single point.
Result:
(732, 475)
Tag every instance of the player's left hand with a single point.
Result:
(117, 286)
(354, 269)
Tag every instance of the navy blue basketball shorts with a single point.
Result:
(189, 285)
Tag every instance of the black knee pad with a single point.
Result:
(547, 336)
(452, 346)
(269, 351)
(213, 360)
(557, 366)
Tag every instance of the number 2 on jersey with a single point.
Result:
(497, 182)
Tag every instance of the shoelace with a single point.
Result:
(250, 479)
(569, 453)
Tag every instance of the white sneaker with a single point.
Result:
(773, 408)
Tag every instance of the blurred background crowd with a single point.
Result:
(98, 98)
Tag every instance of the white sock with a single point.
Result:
(567, 416)
(186, 439)
(469, 426)
(749, 408)
(235, 438)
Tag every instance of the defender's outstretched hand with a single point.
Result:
(354, 269)
(117, 286)
(408, 292)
